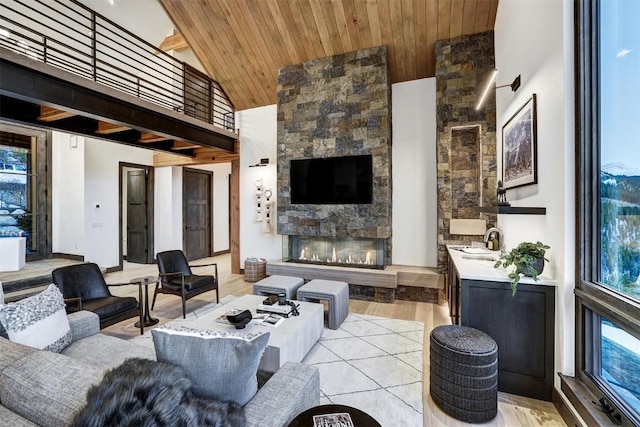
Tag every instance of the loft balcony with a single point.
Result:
(66, 67)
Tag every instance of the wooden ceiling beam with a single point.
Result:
(181, 145)
(50, 114)
(146, 137)
(175, 42)
(202, 156)
(106, 128)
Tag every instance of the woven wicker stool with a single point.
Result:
(276, 284)
(337, 293)
(464, 373)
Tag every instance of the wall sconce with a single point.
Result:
(513, 85)
(263, 162)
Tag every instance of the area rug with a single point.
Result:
(370, 363)
(373, 364)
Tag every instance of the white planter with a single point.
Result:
(12, 253)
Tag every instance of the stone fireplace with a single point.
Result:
(336, 251)
(333, 107)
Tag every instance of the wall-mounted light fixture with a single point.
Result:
(263, 162)
(513, 85)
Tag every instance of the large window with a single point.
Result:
(608, 350)
(23, 188)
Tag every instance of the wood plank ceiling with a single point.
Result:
(243, 43)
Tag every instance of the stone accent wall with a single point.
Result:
(329, 107)
(466, 147)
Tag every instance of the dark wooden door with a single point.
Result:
(137, 227)
(196, 213)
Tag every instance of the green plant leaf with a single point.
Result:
(522, 257)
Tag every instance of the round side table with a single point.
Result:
(146, 280)
(333, 415)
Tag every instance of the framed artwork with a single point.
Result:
(519, 140)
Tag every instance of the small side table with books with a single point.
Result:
(334, 416)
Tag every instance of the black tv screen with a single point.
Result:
(332, 180)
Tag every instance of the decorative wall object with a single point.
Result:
(519, 140)
(258, 217)
(267, 210)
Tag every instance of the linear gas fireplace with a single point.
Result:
(336, 251)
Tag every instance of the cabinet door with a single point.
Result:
(453, 293)
(523, 328)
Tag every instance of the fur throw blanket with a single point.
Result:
(145, 393)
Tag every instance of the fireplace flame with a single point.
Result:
(307, 255)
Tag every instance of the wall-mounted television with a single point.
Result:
(332, 180)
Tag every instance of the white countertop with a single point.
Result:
(479, 266)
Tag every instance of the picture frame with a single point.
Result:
(519, 144)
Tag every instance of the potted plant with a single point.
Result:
(527, 258)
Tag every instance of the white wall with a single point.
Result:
(535, 39)
(166, 206)
(67, 206)
(414, 176)
(257, 140)
(101, 197)
(415, 215)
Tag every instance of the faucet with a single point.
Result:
(491, 230)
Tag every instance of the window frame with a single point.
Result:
(593, 300)
(43, 156)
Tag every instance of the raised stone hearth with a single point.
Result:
(394, 282)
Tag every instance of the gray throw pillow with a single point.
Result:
(39, 321)
(221, 364)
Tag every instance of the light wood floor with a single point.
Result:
(513, 410)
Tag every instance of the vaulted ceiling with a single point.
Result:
(243, 43)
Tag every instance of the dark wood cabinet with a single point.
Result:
(522, 326)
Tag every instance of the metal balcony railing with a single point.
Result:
(74, 38)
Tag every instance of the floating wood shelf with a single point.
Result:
(513, 210)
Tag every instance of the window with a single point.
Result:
(23, 188)
(608, 351)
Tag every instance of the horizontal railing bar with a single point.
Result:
(88, 12)
(44, 37)
(154, 50)
(122, 29)
(108, 81)
(45, 25)
(88, 27)
(105, 53)
(137, 78)
(175, 63)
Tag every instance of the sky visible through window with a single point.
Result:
(620, 83)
